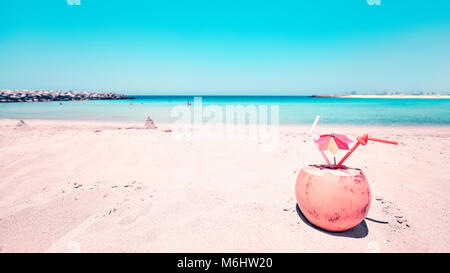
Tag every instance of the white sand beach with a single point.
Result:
(68, 186)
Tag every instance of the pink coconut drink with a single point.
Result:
(334, 197)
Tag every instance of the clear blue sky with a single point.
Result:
(225, 46)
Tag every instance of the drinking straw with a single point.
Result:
(383, 141)
(313, 136)
(348, 154)
(314, 124)
(310, 132)
(363, 140)
(326, 159)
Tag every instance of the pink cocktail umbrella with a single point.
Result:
(333, 143)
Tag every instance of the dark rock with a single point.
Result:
(36, 95)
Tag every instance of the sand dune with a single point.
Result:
(99, 187)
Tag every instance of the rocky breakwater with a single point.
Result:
(31, 96)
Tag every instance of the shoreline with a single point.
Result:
(113, 124)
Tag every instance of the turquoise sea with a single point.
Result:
(292, 109)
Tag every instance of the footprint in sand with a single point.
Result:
(396, 219)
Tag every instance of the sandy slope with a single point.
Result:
(90, 186)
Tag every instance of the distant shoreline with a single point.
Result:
(385, 96)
